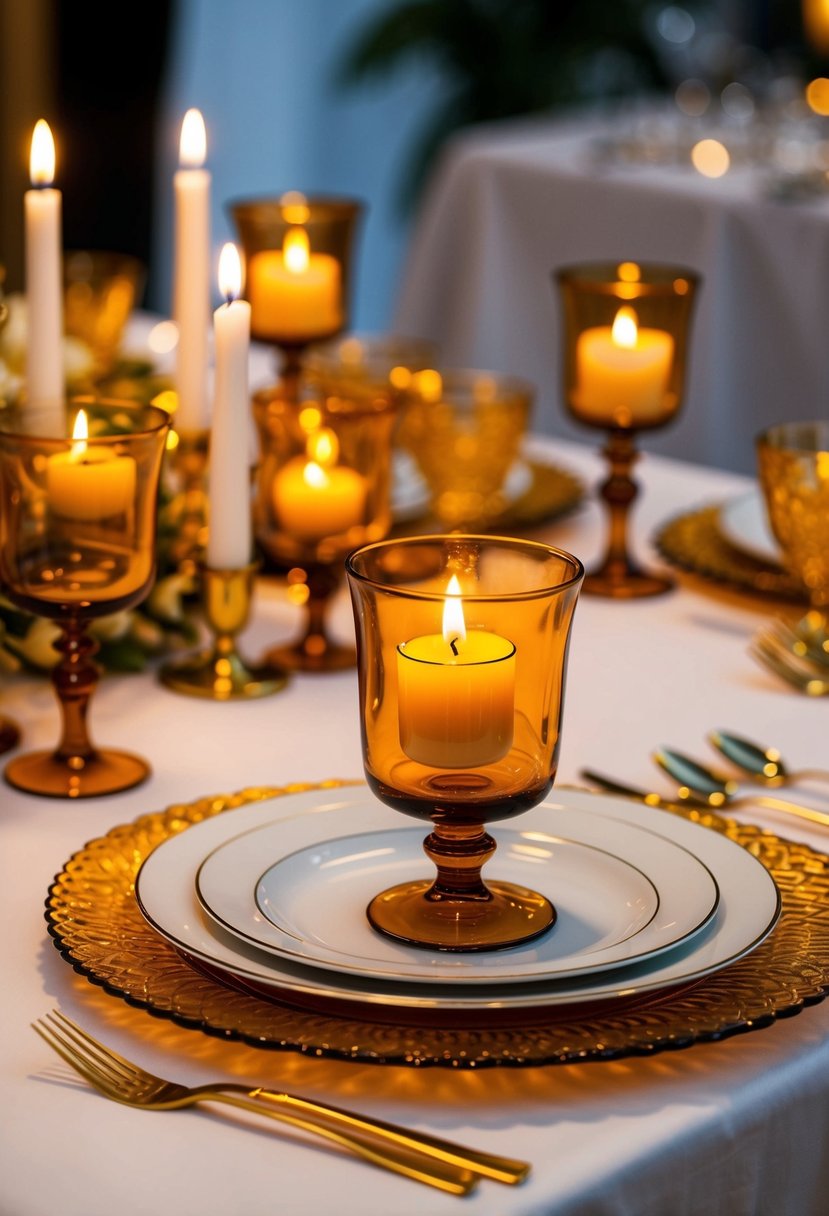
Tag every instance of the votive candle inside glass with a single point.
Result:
(462, 645)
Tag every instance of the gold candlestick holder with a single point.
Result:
(219, 672)
(626, 330)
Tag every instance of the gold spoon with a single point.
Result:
(703, 786)
(763, 764)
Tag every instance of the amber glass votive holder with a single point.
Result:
(322, 489)
(462, 647)
(298, 256)
(77, 541)
(626, 332)
(464, 429)
(793, 468)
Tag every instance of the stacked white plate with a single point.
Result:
(744, 524)
(276, 892)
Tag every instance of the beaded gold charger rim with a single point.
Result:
(695, 541)
(94, 919)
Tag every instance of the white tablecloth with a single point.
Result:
(510, 204)
(738, 1128)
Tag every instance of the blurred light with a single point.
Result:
(295, 208)
(192, 148)
(629, 272)
(710, 158)
(676, 24)
(693, 97)
(42, 156)
(429, 383)
(295, 250)
(163, 337)
(625, 329)
(817, 95)
(230, 272)
(737, 102)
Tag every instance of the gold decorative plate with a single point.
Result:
(695, 542)
(94, 919)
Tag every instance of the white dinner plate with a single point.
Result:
(744, 523)
(747, 912)
(620, 894)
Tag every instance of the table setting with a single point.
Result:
(450, 840)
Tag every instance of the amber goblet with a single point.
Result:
(322, 489)
(626, 331)
(462, 647)
(298, 265)
(77, 541)
(793, 467)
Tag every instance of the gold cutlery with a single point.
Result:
(686, 797)
(705, 787)
(774, 653)
(428, 1159)
(762, 764)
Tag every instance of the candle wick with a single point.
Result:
(453, 647)
(229, 299)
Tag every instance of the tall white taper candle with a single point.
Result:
(191, 284)
(44, 285)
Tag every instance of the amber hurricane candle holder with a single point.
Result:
(77, 541)
(626, 331)
(322, 489)
(462, 647)
(298, 254)
(793, 468)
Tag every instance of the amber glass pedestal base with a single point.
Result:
(627, 583)
(54, 776)
(459, 911)
(9, 734)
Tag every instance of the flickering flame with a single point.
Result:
(625, 329)
(80, 434)
(230, 272)
(296, 250)
(323, 448)
(314, 476)
(192, 148)
(454, 626)
(42, 156)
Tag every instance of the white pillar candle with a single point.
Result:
(44, 286)
(191, 284)
(229, 531)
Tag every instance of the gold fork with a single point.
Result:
(772, 652)
(429, 1159)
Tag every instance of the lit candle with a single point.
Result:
(314, 497)
(191, 284)
(293, 292)
(622, 371)
(44, 287)
(89, 484)
(229, 534)
(456, 693)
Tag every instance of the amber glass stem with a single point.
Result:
(74, 679)
(459, 853)
(322, 583)
(618, 492)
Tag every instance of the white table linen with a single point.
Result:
(737, 1128)
(511, 203)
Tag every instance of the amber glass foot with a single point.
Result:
(9, 734)
(458, 911)
(619, 577)
(54, 776)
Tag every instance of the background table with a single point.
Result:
(511, 203)
(737, 1128)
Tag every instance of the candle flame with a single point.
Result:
(80, 434)
(295, 250)
(42, 156)
(625, 331)
(454, 626)
(230, 272)
(192, 148)
(314, 476)
(323, 448)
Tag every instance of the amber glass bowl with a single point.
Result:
(298, 257)
(382, 359)
(77, 541)
(462, 646)
(793, 466)
(464, 431)
(322, 488)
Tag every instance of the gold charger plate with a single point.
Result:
(96, 924)
(695, 542)
(552, 492)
